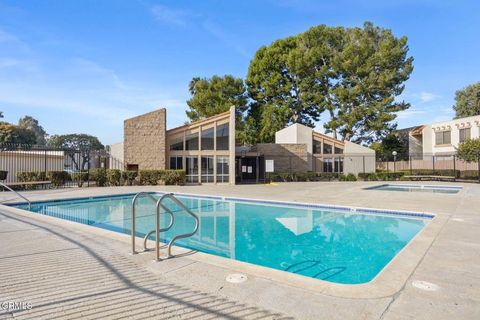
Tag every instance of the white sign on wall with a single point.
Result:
(244, 168)
(269, 166)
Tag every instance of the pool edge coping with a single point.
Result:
(386, 283)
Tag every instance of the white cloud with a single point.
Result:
(409, 113)
(427, 96)
(170, 16)
(226, 38)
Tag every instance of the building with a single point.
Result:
(442, 138)
(207, 151)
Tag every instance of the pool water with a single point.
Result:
(417, 188)
(332, 244)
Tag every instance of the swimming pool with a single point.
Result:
(335, 244)
(417, 188)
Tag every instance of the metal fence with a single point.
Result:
(26, 165)
(433, 165)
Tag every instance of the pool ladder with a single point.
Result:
(18, 194)
(159, 205)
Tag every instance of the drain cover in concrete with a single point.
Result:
(236, 278)
(424, 285)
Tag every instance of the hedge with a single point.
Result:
(114, 177)
(129, 176)
(31, 176)
(155, 177)
(348, 177)
(301, 176)
(99, 176)
(58, 178)
(79, 177)
(383, 176)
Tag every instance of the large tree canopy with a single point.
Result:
(353, 73)
(30, 123)
(467, 101)
(12, 134)
(215, 95)
(82, 143)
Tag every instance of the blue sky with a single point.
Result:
(84, 66)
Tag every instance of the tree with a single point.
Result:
(467, 101)
(216, 95)
(32, 124)
(469, 150)
(353, 73)
(392, 142)
(372, 67)
(12, 134)
(83, 143)
(284, 83)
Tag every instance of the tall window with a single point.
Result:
(317, 147)
(207, 169)
(191, 142)
(464, 134)
(339, 165)
(443, 137)
(176, 163)
(327, 165)
(222, 169)
(338, 150)
(192, 169)
(176, 144)
(222, 136)
(207, 139)
(327, 148)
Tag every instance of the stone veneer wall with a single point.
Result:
(145, 140)
(286, 157)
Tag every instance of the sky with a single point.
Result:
(83, 66)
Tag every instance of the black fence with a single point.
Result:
(30, 167)
(439, 166)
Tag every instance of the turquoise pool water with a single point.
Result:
(417, 188)
(332, 244)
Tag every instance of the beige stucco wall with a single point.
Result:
(37, 161)
(454, 126)
(144, 140)
(358, 159)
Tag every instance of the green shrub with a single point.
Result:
(79, 177)
(389, 176)
(469, 150)
(114, 177)
(174, 177)
(369, 176)
(431, 172)
(3, 174)
(155, 177)
(327, 176)
(469, 174)
(99, 176)
(150, 177)
(129, 176)
(347, 177)
(31, 176)
(58, 178)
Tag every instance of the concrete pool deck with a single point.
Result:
(68, 270)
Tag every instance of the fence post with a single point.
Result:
(478, 162)
(88, 169)
(45, 163)
(410, 164)
(433, 165)
(454, 169)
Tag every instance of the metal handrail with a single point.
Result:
(134, 201)
(157, 223)
(18, 194)
(180, 236)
